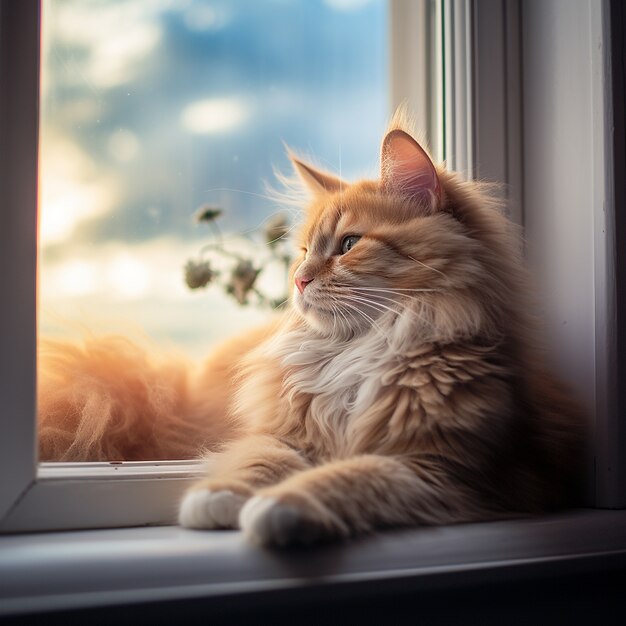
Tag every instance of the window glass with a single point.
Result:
(153, 111)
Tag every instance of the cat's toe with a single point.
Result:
(204, 509)
(266, 521)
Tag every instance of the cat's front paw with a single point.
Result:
(204, 509)
(266, 521)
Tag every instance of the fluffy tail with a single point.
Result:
(108, 399)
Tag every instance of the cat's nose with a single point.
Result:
(301, 283)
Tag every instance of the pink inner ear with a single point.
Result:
(407, 168)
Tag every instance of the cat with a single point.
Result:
(403, 386)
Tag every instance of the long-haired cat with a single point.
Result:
(403, 386)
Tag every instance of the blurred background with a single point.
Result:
(151, 109)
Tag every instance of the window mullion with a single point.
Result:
(458, 106)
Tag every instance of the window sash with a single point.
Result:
(102, 495)
(482, 141)
(19, 119)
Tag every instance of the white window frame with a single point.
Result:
(573, 44)
(50, 496)
(18, 246)
(480, 133)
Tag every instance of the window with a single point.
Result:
(479, 129)
(151, 110)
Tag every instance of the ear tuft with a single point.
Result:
(407, 168)
(317, 181)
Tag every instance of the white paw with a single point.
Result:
(264, 521)
(201, 508)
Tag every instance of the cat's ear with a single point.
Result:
(407, 168)
(317, 181)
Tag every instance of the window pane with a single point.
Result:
(151, 109)
(156, 111)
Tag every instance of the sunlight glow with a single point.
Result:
(127, 277)
(71, 191)
(214, 115)
(75, 278)
(151, 269)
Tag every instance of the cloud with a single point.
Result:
(347, 5)
(74, 278)
(118, 271)
(214, 115)
(72, 189)
(203, 17)
(120, 288)
(123, 145)
(115, 39)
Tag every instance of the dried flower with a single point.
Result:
(198, 274)
(242, 280)
(276, 228)
(207, 213)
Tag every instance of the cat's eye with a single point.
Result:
(349, 242)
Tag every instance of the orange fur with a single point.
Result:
(107, 399)
(404, 385)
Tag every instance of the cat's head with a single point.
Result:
(418, 247)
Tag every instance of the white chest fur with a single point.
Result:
(342, 378)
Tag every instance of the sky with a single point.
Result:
(153, 108)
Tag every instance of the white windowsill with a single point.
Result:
(120, 470)
(83, 569)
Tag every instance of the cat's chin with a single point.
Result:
(326, 318)
(324, 322)
(317, 319)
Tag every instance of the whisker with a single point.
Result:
(332, 310)
(404, 307)
(248, 193)
(365, 316)
(427, 266)
(374, 295)
(375, 305)
(348, 325)
(345, 319)
(388, 289)
(280, 304)
(285, 235)
(402, 304)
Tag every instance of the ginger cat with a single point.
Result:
(403, 386)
